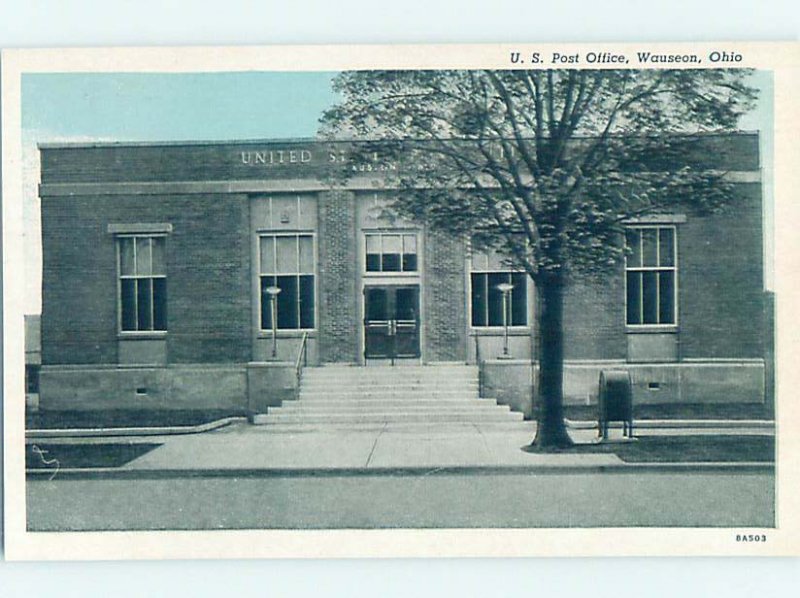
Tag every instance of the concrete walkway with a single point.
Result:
(241, 446)
(411, 448)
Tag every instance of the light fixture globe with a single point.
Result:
(505, 287)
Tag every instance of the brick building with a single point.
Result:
(161, 264)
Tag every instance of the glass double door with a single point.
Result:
(391, 322)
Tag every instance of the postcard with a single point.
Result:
(372, 301)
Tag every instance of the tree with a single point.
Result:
(545, 166)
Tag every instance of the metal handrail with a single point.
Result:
(478, 362)
(300, 363)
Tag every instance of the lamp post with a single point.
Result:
(505, 288)
(273, 291)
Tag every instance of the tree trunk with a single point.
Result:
(551, 432)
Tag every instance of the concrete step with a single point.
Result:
(301, 407)
(392, 368)
(392, 403)
(382, 384)
(356, 397)
(399, 396)
(435, 427)
(352, 373)
(364, 402)
(442, 390)
(388, 384)
(407, 417)
(383, 408)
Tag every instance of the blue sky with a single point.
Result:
(174, 107)
(199, 106)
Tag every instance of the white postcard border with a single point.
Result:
(782, 58)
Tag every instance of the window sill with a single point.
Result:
(312, 333)
(651, 329)
(499, 331)
(144, 335)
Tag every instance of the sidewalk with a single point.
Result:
(240, 448)
(380, 447)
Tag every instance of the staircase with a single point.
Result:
(350, 396)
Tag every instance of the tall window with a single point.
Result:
(287, 263)
(487, 300)
(391, 252)
(142, 284)
(650, 275)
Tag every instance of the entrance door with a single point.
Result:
(391, 322)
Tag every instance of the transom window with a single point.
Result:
(651, 275)
(142, 283)
(488, 271)
(391, 252)
(287, 263)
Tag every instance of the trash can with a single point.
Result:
(615, 402)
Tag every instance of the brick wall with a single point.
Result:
(338, 268)
(79, 288)
(444, 292)
(594, 317)
(208, 266)
(210, 307)
(720, 286)
(720, 272)
(210, 299)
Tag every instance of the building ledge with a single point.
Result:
(652, 329)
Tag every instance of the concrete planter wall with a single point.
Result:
(78, 388)
(686, 382)
(251, 388)
(512, 382)
(269, 384)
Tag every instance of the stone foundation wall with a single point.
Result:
(512, 382)
(157, 388)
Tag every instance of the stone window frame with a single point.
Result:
(657, 224)
(472, 269)
(139, 232)
(274, 234)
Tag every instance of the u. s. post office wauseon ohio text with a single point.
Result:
(200, 276)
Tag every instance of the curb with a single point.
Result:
(765, 425)
(141, 431)
(699, 424)
(417, 471)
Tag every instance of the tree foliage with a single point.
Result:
(545, 166)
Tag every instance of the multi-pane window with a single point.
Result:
(287, 263)
(142, 284)
(488, 272)
(391, 252)
(651, 275)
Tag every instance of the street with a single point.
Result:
(455, 500)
